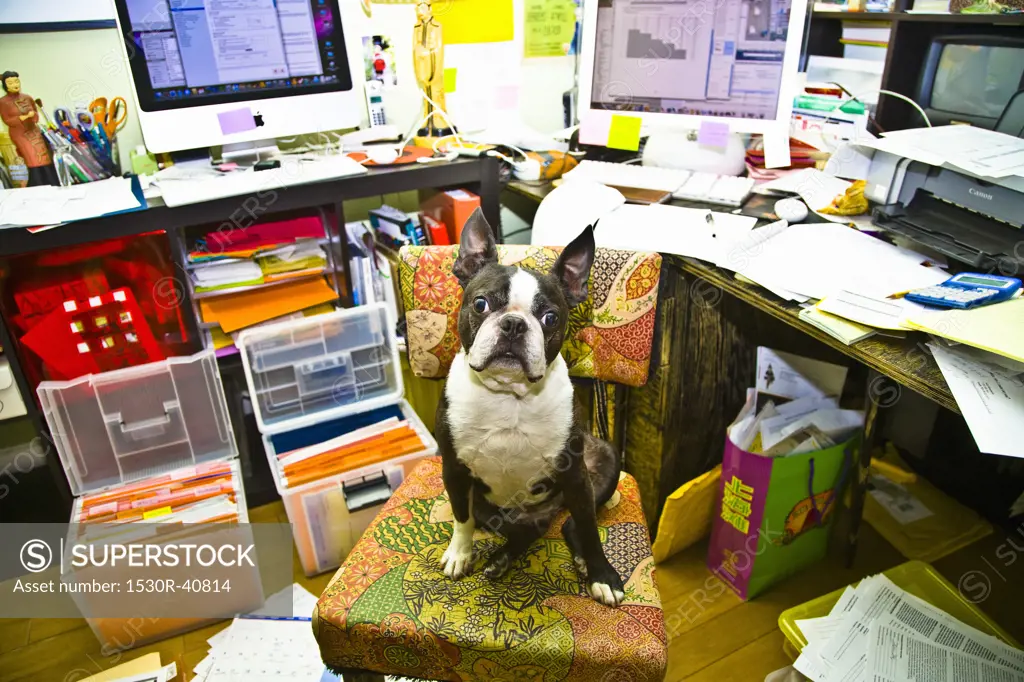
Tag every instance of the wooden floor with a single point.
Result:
(713, 636)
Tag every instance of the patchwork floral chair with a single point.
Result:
(609, 335)
(390, 609)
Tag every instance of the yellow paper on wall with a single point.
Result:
(687, 515)
(140, 666)
(548, 27)
(475, 21)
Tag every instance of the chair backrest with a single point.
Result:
(609, 335)
(1011, 121)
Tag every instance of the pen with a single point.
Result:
(710, 219)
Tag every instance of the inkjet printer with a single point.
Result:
(971, 220)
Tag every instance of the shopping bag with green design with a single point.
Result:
(773, 513)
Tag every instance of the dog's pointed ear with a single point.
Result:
(476, 248)
(572, 269)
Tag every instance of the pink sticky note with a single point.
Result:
(595, 127)
(236, 121)
(713, 134)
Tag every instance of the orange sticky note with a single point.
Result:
(235, 311)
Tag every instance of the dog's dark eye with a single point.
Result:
(480, 305)
(549, 319)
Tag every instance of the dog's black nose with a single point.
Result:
(513, 326)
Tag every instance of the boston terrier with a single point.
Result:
(513, 448)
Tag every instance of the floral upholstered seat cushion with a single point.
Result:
(390, 609)
(609, 336)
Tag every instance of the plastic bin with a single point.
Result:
(127, 425)
(917, 578)
(306, 376)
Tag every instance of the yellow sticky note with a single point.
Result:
(450, 79)
(475, 21)
(155, 513)
(624, 133)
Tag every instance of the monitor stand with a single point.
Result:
(248, 153)
(681, 150)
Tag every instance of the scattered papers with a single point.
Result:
(880, 632)
(975, 150)
(991, 402)
(32, 206)
(822, 259)
(673, 229)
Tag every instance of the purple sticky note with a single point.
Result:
(236, 121)
(713, 134)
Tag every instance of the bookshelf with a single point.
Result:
(909, 40)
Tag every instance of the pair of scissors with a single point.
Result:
(71, 122)
(111, 114)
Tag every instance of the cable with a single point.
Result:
(858, 97)
(880, 92)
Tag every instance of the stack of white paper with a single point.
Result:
(881, 633)
(34, 206)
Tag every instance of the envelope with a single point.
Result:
(11, 404)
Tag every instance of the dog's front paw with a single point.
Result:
(457, 561)
(498, 564)
(605, 586)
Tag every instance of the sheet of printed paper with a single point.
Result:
(991, 402)
(792, 376)
(895, 656)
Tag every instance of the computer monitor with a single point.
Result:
(681, 62)
(221, 72)
(971, 78)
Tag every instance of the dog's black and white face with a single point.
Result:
(513, 320)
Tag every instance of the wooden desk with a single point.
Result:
(705, 359)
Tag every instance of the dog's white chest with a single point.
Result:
(509, 442)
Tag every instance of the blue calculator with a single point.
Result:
(967, 290)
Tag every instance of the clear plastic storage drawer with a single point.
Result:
(320, 367)
(121, 426)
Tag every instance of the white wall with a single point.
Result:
(77, 66)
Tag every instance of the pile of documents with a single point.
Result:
(265, 273)
(205, 493)
(879, 632)
(794, 407)
(267, 649)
